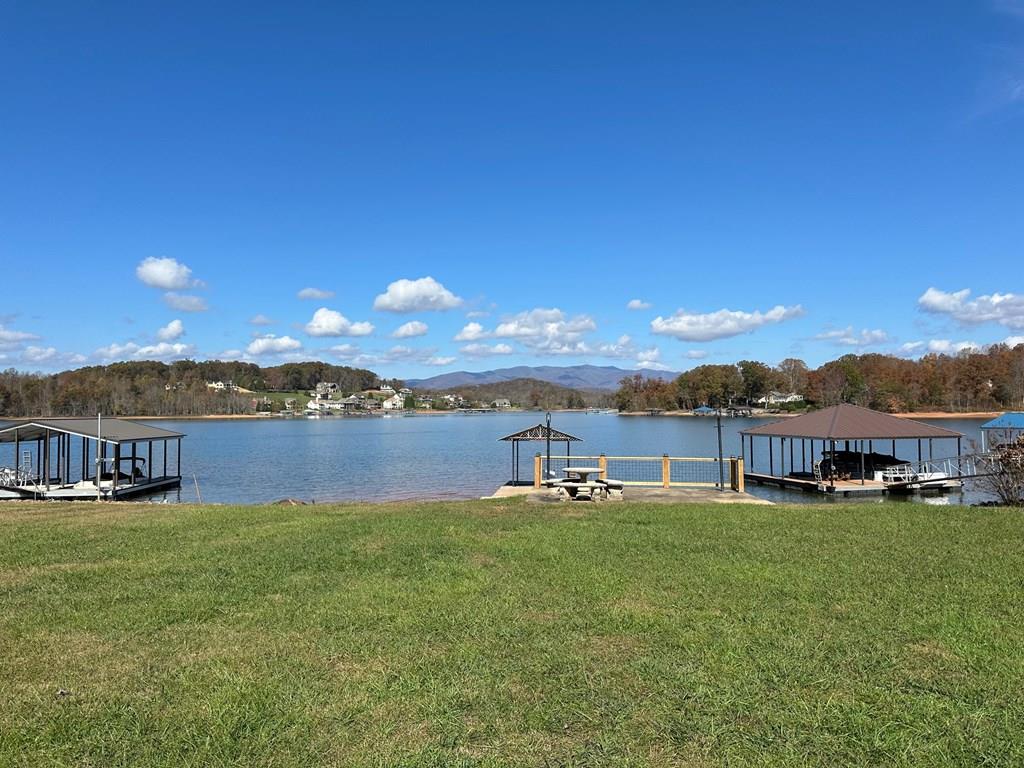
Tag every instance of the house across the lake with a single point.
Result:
(779, 398)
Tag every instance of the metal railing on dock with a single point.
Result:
(653, 471)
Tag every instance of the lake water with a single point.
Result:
(448, 456)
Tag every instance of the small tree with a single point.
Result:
(1006, 483)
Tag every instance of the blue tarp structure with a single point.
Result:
(704, 411)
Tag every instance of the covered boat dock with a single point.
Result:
(840, 443)
(86, 458)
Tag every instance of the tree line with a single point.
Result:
(152, 388)
(973, 380)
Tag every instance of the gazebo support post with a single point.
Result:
(771, 458)
(832, 466)
(862, 462)
(919, 457)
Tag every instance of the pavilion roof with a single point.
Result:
(850, 422)
(114, 430)
(540, 432)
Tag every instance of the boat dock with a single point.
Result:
(74, 459)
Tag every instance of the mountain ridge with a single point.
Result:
(603, 377)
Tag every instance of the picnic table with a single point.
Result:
(583, 490)
(581, 473)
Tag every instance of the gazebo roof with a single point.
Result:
(540, 432)
(850, 422)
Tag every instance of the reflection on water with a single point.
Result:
(448, 456)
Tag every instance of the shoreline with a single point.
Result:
(779, 416)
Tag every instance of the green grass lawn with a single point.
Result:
(498, 633)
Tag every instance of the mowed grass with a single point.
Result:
(499, 633)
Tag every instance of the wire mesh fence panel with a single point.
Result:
(701, 472)
(635, 470)
(641, 470)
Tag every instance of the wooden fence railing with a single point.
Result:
(654, 471)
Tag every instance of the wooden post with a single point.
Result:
(741, 481)
(536, 470)
(666, 471)
(602, 462)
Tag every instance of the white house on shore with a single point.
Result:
(394, 403)
(778, 398)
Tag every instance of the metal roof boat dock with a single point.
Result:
(855, 468)
(86, 458)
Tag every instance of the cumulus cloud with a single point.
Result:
(327, 322)
(1013, 341)
(477, 313)
(10, 338)
(937, 346)
(419, 295)
(847, 337)
(33, 354)
(272, 345)
(486, 350)
(185, 302)
(172, 331)
(547, 331)
(439, 360)
(638, 304)
(315, 294)
(1006, 309)
(691, 326)
(471, 332)
(260, 320)
(166, 274)
(410, 330)
(130, 350)
(696, 354)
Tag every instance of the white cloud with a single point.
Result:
(696, 354)
(131, 350)
(1013, 341)
(184, 302)
(937, 346)
(315, 294)
(1006, 309)
(345, 351)
(638, 304)
(486, 350)
(10, 338)
(33, 354)
(410, 330)
(547, 331)
(166, 274)
(439, 360)
(260, 320)
(327, 322)
(416, 296)
(689, 326)
(847, 337)
(172, 331)
(164, 351)
(471, 332)
(651, 365)
(477, 313)
(272, 345)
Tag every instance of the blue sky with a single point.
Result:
(418, 187)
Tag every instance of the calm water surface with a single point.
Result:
(446, 456)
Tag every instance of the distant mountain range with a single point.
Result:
(605, 377)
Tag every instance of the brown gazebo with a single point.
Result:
(539, 433)
(847, 424)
